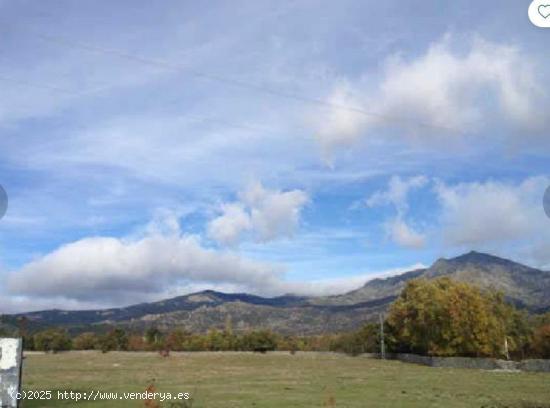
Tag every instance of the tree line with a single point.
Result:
(438, 317)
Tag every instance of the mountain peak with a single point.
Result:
(473, 259)
(480, 258)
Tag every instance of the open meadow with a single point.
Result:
(278, 379)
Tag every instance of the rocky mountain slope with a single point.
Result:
(525, 286)
(522, 285)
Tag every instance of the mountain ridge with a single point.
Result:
(522, 285)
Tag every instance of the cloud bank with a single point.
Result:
(107, 268)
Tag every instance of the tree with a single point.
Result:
(228, 327)
(288, 343)
(153, 337)
(519, 332)
(121, 339)
(136, 342)
(541, 319)
(53, 340)
(259, 341)
(116, 339)
(541, 341)
(365, 340)
(215, 340)
(195, 342)
(443, 317)
(85, 341)
(176, 340)
(28, 342)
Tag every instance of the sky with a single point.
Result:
(154, 149)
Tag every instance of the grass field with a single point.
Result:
(223, 380)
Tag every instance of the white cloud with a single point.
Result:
(267, 214)
(493, 211)
(337, 286)
(20, 304)
(439, 94)
(404, 235)
(444, 88)
(341, 125)
(396, 195)
(122, 270)
(228, 227)
(397, 192)
(503, 217)
(272, 287)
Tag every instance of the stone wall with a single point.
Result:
(535, 365)
(473, 363)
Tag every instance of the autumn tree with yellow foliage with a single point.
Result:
(442, 317)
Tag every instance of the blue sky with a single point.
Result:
(151, 150)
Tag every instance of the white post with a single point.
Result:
(506, 353)
(10, 371)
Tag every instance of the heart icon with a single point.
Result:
(544, 10)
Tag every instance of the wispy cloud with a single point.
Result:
(442, 95)
(397, 195)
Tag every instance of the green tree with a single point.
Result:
(214, 340)
(259, 341)
(519, 333)
(28, 342)
(52, 340)
(365, 340)
(116, 339)
(153, 337)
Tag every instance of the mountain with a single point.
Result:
(207, 299)
(524, 286)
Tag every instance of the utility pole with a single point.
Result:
(382, 345)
